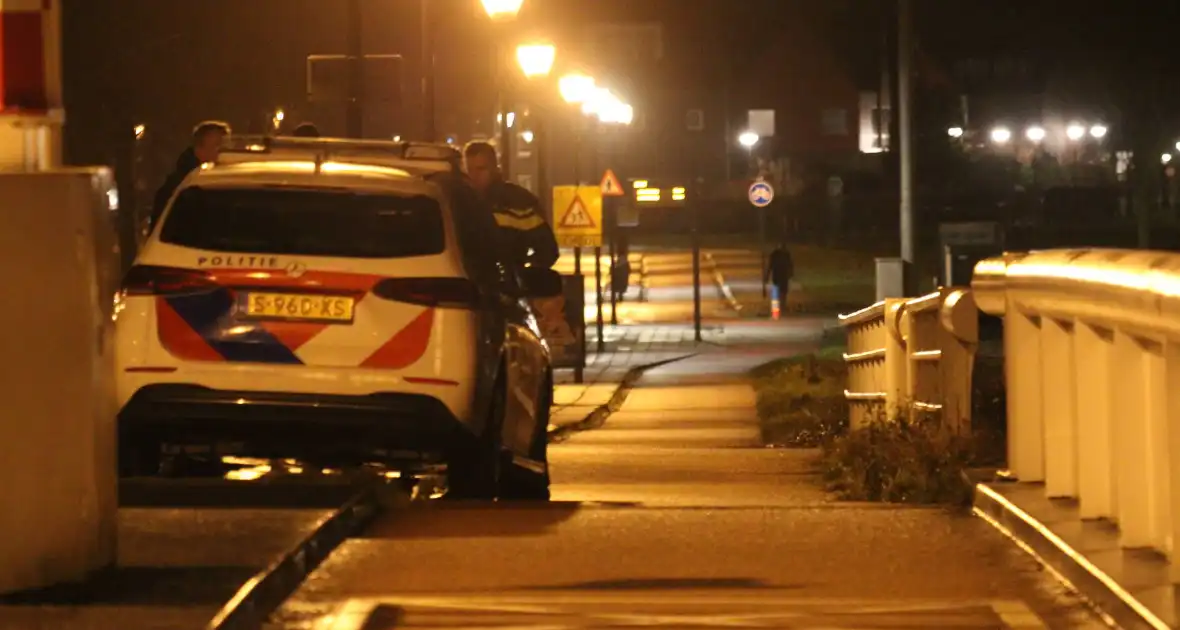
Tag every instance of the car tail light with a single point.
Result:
(440, 292)
(153, 280)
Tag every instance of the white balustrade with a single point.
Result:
(1092, 362)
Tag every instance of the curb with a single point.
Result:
(596, 418)
(719, 279)
(259, 597)
(1070, 566)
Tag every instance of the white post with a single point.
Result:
(1128, 383)
(1022, 354)
(1095, 409)
(1058, 397)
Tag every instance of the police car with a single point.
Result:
(332, 301)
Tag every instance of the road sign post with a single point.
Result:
(611, 187)
(760, 194)
(578, 224)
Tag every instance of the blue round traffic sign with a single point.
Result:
(761, 194)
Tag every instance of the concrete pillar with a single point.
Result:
(31, 113)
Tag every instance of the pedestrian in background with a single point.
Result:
(780, 268)
(208, 138)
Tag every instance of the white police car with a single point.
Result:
(329, 300)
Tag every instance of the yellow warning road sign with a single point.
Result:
(610, 185)
(578, 212)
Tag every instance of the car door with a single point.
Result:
(521, 352)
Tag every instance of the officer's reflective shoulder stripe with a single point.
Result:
(513, 220)
(518, 212)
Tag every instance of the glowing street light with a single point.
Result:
(502, 9)
(576, 88)
(955, 132)
(527, 136)
(1036, 134)
(536, 60)
(596, 100)
(139, 131)
(1001, 135)
(1165, 158)
(616, 112)
(1075, 132)
(277, 119)
(748, 139)
(1098, 132)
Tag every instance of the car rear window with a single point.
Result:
(308, 222)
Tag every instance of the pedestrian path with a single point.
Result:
(626, 347)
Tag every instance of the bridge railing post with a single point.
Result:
(1092, 369)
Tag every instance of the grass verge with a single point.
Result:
(801, 404)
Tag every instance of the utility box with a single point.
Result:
(891, 276)
(58, 504)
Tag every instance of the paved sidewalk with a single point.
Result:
(626, 348)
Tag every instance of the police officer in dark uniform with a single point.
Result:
(526, 238)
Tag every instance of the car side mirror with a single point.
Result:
(540, 283)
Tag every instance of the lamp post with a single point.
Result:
(749, 140)
(536, 62)
(501, 13)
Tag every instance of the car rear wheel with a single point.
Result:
(523, 484)
(474, 472)
(139, 457)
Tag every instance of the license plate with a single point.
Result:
(324, 308)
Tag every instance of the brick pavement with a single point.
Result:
(626, 348)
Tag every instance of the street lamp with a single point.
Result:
(536, 60)
(277, 120)
(502, 9)
(1001, 135)
(1036, 134)
(1098, 132)
(955, 132)
(576, 88)
(748, 139)
(1075, 132)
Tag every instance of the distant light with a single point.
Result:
(1075, 132)
(1178, 146)
(279, 115)
(642, 183)
(1165, 158)
(450, 140)
(1000, 135)
(616, 112)
(499, 118)
(502, 9)
(678, 194)
(139, 131)
(536, 60)
(1036, 134)
(1098, 131)
(748, 139)
(955, 132)
(397, 138)
(527, 136)
(647, 195)
(511, 119)
(576, 88)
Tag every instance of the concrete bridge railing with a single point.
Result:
(1092, 351)
(912, 357)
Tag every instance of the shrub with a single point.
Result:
(902, 461)
(801, 401)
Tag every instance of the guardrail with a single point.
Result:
(1092, 352)
(912, 357)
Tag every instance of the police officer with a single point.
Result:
(527, 239)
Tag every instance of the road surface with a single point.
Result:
(674, 514)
